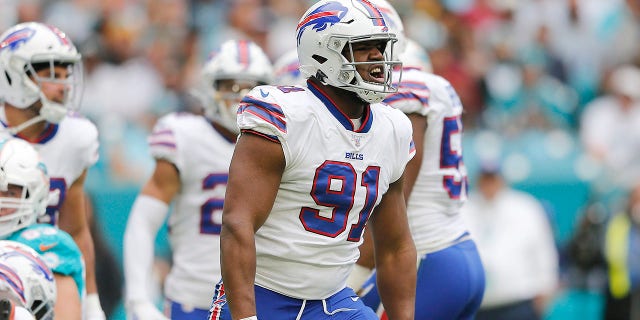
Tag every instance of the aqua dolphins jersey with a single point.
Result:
(58, 250)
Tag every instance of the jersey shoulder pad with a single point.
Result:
(262, 111)
(163, 140)
(443, 94)
(413, 93)
(84, 135)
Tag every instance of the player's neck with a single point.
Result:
(16, 116)
(347, 101)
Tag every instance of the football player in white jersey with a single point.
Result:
(192, 154)
(313, 165)
(24, 193)
(41, 86)
(450, 282)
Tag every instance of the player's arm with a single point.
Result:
(73, 220)
(254, 177)
(147, 216)
(395, 253)
(419, 125)
(68, 305)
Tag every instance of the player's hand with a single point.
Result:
(145, 311)
(92, 308)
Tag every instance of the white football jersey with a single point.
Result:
(441, 186)
(67, 149)
(202, 156)
(334, 176)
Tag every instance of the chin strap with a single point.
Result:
(50, 112)
(24, 125)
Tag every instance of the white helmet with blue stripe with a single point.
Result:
(25, 50)
(26, 280)
(245, 65)
(332, 26)
(24, 185)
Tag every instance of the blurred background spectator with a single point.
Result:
(550, 89)
(610, 126)
(622, 254)
(515, 241)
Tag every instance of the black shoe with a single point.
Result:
(6, 309)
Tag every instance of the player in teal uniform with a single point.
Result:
(24, 193)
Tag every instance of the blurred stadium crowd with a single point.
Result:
(551, 90)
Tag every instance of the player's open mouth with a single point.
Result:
(377, 74)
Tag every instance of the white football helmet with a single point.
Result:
(330, 26)
(287, 70)
(239, 60)
(415, 56)
(395, 24)
(26, 280)
(32, 46)
(20, 166)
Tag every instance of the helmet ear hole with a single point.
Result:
(320, 59)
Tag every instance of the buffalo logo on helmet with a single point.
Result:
(16, 38)
(324, 16)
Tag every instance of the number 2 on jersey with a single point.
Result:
(57, 186)
(334, 186)
(208, 224)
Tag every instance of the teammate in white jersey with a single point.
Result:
(450, 282)
(41, 86)
(24, 191)
(192, 155)
(312, 166)
(286, 70)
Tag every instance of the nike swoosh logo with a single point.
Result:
(354, 299)
(264, 95)
(44, 247)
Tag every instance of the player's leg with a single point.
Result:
(476, 279)
(450, 283)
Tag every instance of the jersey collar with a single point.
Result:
(338, 114)
(49, 132)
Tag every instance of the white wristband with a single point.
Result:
(250, 318)
(93, 309)
(358, 276)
